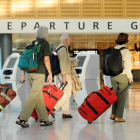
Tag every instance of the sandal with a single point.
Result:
(112, 117)
(45, 123)
(21, 122)
(117, 119)
(66, 116)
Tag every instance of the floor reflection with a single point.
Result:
(77, 128)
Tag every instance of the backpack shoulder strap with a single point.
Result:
(60, 48)
(122, 48)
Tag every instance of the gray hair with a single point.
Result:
(41, 32)
(63, 37)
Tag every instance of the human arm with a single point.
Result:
(48, 66)
(127, 65)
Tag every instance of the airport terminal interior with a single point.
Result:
(88, 48)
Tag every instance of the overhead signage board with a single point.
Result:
(70, 25)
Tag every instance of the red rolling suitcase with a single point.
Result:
(6, 96)
(51, 95)
(98, 102)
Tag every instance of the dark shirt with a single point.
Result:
(44, 51)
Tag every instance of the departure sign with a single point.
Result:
(70, 25)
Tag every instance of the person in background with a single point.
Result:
(36, 81)
(121, 81)
(64, 76)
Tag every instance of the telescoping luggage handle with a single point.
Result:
(18, 86)
(110, 90)
(63, 86)
(125, 89)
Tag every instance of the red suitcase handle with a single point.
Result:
(63, 85)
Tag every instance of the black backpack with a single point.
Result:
(55, 67)
(112, 62)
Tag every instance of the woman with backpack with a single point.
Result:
(121, 81)
(36, 81)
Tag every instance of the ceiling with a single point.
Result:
(78, 41)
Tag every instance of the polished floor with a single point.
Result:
(77, 128)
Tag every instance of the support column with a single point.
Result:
(0, 64)
(5, 48)
(139, 61)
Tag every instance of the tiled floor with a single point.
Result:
(77, 128)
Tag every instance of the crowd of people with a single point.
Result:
(36, 80)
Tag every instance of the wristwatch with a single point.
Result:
(23, 73)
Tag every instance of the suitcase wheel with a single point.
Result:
(89, 122)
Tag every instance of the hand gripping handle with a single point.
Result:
(63, 86)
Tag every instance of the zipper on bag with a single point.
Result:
(107, 90)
